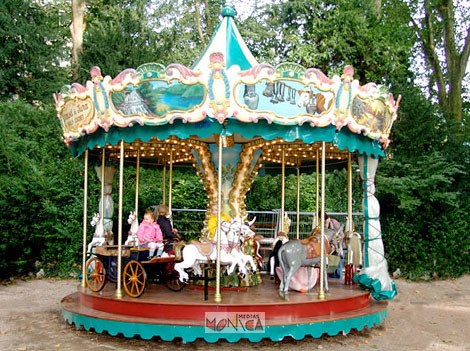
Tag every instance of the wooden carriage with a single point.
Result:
(138, 270)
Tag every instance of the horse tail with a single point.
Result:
(354, 247)
(276, 249)
(178, 249)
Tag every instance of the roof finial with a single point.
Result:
(228, 10)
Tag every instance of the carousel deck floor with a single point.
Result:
(162, 313)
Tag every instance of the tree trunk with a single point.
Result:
(77, 28)
(447, 75)
(197, 7)
(456, 62)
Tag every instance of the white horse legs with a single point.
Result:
(180, 268)
(95, 242)
(244, 259)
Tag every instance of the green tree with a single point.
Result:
(33, 47)
(443, 30)
(118, 35)
(144, 31)
(423, 191)
(330, 34)
(39, 193)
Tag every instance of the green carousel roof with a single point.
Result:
(226, 91)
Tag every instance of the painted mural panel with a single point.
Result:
(154, 99)
(285, 98)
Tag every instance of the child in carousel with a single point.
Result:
(169, 233)
(150, 234)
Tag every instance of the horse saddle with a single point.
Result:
(205, 248)
(313, 246)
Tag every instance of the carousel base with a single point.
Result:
(255, 313)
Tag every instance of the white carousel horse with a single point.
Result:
(237, 233)
(196, 253)
(353, 244)
(99, 237)
(336, 237)
(132, 239)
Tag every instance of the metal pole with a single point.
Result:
(170, 181)
(218, 295)
(350, 227)
(283, 173)
(85, 215)
(103, 154)
(317, 190)
(321, 292)
(119, 258)
(137, 180)
(164, 185)
(298, 202)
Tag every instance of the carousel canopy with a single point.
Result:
(226, 92)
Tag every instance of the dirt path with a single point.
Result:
(424, 316)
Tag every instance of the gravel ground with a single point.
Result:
(431, 316)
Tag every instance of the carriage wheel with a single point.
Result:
(172, 280)
(174, 284)
(95, 277)
(134, 279)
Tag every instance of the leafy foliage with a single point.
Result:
(423, 191)
(41, 211)
(30, 58)
(265, 193)
(331, 34)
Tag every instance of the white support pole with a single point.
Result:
(85, 220)
(164, 185)
(103, 158)
(119, 257)
(298, 203)
(170, 182)
(317, 190)
(218, 295)
(350, 227)
(137, 180)
(321, 291)
(283, 185)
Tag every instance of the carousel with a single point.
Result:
(227, 115)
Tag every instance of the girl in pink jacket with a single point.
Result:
(150, 234)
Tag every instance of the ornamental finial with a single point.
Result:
(228, 10)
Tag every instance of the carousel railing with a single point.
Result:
(189, 222)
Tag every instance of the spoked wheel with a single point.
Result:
(134, 279)
(172, 281)
(95, 277)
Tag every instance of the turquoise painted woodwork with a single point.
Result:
(191, 333)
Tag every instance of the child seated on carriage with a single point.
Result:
(169, 233)
(150, 234)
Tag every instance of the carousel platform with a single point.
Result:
(254, 313)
